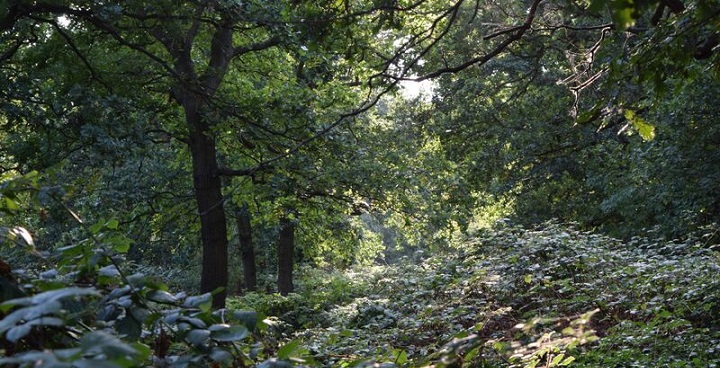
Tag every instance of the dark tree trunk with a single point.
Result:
(247, 250)
(286, 250)
(193, 92)
(208, 194)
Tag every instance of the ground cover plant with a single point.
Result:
(548, 296)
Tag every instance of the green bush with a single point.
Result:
(88, 311)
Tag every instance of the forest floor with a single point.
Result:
(511, 297)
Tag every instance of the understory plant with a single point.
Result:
(547, 296)
(82, 306)
(540, 297)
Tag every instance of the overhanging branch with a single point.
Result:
(516, 34)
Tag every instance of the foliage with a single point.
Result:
(597, 112)
(83, 309)
(549, 296)
(588, 121)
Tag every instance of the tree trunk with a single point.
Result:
(286, 250)
(208, 194)
(247, 250)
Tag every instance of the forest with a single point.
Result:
(359, 183)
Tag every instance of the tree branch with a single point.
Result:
(517, 33)
(83, 59)
(259, 46)
(11, 52)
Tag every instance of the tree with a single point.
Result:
(275, 76)
(205, 55)
(286, 254)
(193, 47)
(243, 219)
(559, 124)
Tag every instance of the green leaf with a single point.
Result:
(67, 354)
(199, 301)
(94, 363)
(161, 296)
(120, 244)
(197, 322)
(247, 318)
(101, 343)
(568, 361)
(31, 358)
(109, 271)
(28, 314)
(129, 326)
(646, 130)
(220, 355)
(286, 351)
(10, 205)
(198, 337)
(472, 353)
(228, 333)
(63, 293)
(596, 5)
(18, 332)
(112, 224)
(623, 17)
(401, 356)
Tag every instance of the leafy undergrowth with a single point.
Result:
(510, 297)
(551, 296)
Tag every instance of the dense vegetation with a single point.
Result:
(226, 183)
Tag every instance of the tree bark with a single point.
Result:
(247, 249)
(286, 250)
(192, 93)
(208, 194)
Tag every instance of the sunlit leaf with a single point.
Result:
(112, 224)
(567, 361)
(401, 357)
(24, 234)
(287, 350)
(646, 130)
(10, 205)
(472, 353)
(623, 16)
